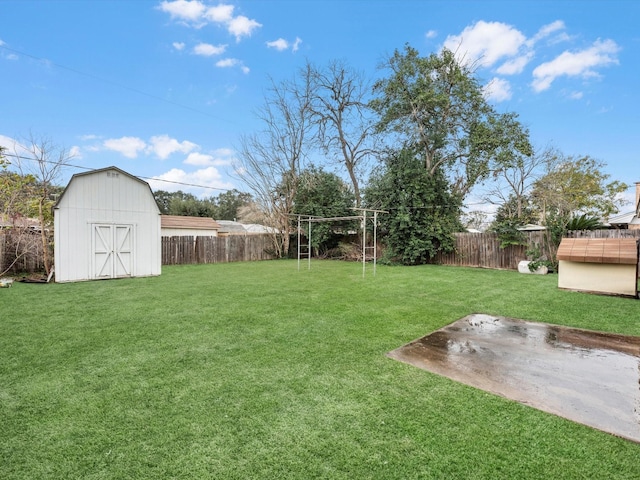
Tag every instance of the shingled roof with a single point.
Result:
(599, 250)
(196, 223)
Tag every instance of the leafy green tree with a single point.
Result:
(423, 212)
(474, 219)
(575, 186)
(324, 194)
(584, 222)
(516, 209)
(513, 179)
(509, 232)
(184, 204)
(230, 202)
(435, 105)
(574, 190)
(163, 199)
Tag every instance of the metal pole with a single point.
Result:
(298, 242)
(309, 244)
(364, 241)
(375, 241)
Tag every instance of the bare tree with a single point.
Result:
(514, 180)
(251, 213)
(344, 120)
(271, 160)
(41, 157)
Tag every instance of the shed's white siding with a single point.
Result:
(91, 202)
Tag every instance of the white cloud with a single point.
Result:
(242, 26)
(186, 11)
(196, 14)
(282, 44)
(219, 14)
(8, 56)
(75, 152)
(86, 138)
(14, 147)
(209, 50)
(178, 45)
(497, 90)
(515, 65)
(486, 42)
(199, 159)
(547, 30)
(227, 62)
(576, 95)
(163, 146)
(431, 34)
(279, 44)
(232, 62)
(219, 157)
(127, 146)
(224, 152)
(191, 181)
(576, 64)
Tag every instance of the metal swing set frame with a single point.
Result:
(309, 219)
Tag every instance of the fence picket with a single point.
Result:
(233, 248)
(483, 249)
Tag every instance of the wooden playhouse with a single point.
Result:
(599, 265)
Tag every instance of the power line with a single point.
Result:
(137, 176)
(111, 82)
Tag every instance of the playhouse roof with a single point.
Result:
(599, 250)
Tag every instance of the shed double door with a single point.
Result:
(112, 250)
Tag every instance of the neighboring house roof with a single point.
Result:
(529, 227)
(255, 228)
(236, 228)
(195, 223)
(20, 222)
(624, 219)
(231, 227)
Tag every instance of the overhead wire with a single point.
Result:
(155, 179)
(126, 87)
(111, 82)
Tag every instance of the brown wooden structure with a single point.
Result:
(599, 265)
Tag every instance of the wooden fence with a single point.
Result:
(233, 248)
(483, 249)
(472, 250)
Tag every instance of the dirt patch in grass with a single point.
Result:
(588, 377)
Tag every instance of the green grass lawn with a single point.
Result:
(256, 370)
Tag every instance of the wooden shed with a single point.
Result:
(599, 265)
(106, 225)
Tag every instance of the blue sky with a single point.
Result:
(165, 88)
